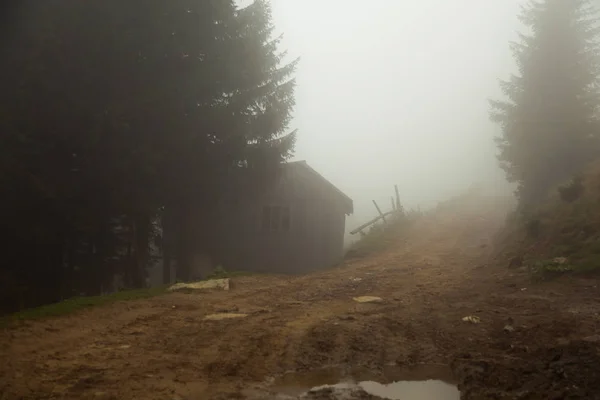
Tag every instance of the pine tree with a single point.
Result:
(240, 122)
(267, 93)
(152, 103)
(549, 120)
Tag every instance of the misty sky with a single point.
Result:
(395, 92)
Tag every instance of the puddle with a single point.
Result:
(412, 390)
(422, 383)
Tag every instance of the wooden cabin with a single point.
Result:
(295, 225)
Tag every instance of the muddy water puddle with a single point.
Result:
(422, 383)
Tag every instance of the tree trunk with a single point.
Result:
(49, 289)
(167, 246)
(141, 234)
(128, 278)
(184, 245)
(67, 282)
(166, 265)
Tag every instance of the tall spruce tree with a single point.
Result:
(549, 119)
(241, 124)
(111, 110)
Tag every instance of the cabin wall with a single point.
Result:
(314, 240)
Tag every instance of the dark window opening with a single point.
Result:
(276, 219)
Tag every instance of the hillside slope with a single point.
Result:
(560, 236)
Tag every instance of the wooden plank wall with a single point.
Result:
(316, 235)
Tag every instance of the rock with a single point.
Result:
(508, 328)
(222, 284)
(592, 339)
(560, 260)
(221, 316)
(367, 299)
(472, 319)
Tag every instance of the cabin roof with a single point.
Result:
(345, 200)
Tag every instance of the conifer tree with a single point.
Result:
(112, 110)
(549, 117)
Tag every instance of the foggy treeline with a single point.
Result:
(549, 116)
(122, 117)
(125, 122)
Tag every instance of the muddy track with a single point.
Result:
(162, 348)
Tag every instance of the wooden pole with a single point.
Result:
(393, 204)
(371, 222)
(379, 211)
(397, 197)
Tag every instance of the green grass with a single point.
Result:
(566, 224)
(549, 269)
(75, 304)
(381, 236)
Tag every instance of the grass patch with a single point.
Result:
(376, 240)
(75, 304)
(589, 266)
(382, 236)
(565, 224)
(549, 269)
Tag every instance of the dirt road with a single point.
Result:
(162, 348)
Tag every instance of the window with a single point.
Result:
(276, 219)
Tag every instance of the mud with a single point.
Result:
(164, 348)
(563, 372)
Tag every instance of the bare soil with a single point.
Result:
(162, 348)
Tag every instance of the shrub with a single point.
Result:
(533, 227)
(544, 270)
(383, 235)
(571, 191)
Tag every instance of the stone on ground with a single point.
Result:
(221, 316)
(367, 299)
(222, 284)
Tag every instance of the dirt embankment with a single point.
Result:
(534, 341)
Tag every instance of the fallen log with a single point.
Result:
(371, 222)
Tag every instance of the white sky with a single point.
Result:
(395, 92)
